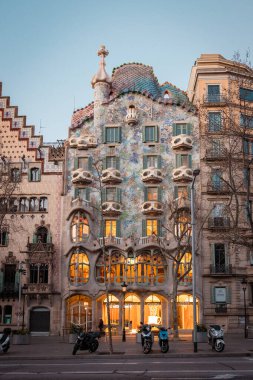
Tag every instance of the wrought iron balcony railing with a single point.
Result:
(221, 269)
(219, 222)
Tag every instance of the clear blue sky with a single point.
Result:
(49, 48)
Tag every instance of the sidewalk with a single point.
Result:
(54, 347)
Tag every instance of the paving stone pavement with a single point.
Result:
(43, 347)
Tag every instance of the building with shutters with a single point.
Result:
(30, 214)
(129, 153)
(223, 90)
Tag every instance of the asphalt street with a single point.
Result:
(144, 367)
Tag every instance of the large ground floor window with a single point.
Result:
(79, 312)
(185, 311)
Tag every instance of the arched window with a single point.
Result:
(184, 273)
(151, 269)
(24, 205)
(34, 204)
(34, 175)
(79, 268)
(153, 310)
(42, 234)
(114, 266)
(80, 229)
(43, 204)
(15, 175)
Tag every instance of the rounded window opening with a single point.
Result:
(80, 229)
(79, 268)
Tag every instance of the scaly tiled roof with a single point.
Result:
(137, 78)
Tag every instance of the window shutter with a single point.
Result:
(103, 195)
(117, 163)
(118, 228)
(189, 192)
(104, 163)
(145, 194)
(144, 228)
(101, 229)
(90, 163)
(17, 279)
(29, 175)
(159, 228)
(48, 238)
(1, 281)
(245, 146)
(145, 162)
(156, 133)
(212, 298)
(143, 134)
(226, 255)
(228, 294)
(76, 164)
(174, 131)
(118, 194)
(159, 162)
(190, 160)
(159, 194)
(88, 194)
(178, 160)
(34, 238)
(175, 192)
(189, 129)
(76, 193)
(103, 135)
(39, 175)
(7, 239)
(119, 134)
(212, 248)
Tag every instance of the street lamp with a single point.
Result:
(124, 288)
(195, 342)
(244, 287)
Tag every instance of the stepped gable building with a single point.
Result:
(129, 153)
(223, 92)
(30, 236)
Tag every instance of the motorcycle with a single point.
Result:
(163, 337)
(5, 340)
(146, 339)
(86, 341)
(215, 336)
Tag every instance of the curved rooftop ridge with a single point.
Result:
(82, 114)
(140, 78)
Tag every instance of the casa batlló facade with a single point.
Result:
(129, 154)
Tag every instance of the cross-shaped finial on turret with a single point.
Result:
(103, 51)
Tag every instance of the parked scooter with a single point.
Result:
(146, 338)
(5, 340)
(86, 341)
(215, 336)
(163, 337)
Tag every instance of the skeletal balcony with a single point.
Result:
(181, 142)
(86, 142)
(81, 177)
(152, 208)
(152, 175)
(131, 117)
(111, 175)
(111, 208)
(182, 174)
(73, 141)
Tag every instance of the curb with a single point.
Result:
(120, 355)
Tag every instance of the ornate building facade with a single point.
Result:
(129, 153)
(30, 214)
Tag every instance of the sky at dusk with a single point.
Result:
(49, 48)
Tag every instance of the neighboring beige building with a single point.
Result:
(223, 92)
(30, 215)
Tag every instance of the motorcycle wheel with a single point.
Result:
(165, 348)
(147, 347)
(219, 347)
(75, 348)
(93, 346)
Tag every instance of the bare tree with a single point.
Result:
(178, 231)
(98, 166)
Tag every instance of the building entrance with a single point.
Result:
(185, 311)
(40, 320)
